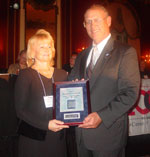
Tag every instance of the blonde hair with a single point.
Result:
(40, 35)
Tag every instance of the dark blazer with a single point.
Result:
(114, 88)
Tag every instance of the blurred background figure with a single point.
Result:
(145, 74)
(69, 66)
(14, 68)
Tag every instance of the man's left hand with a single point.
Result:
(93, 120)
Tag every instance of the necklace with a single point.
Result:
(47, 72)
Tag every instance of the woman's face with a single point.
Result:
(43, 51)
(23, 59)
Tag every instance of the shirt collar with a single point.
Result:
(101, 45)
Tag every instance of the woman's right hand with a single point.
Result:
(56, 125)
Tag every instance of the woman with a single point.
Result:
(22, 64)
(40, 134)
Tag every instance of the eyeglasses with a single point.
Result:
(97, 21)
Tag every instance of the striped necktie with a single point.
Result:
(92, 62)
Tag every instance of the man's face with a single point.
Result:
(97, 24)
(72, 60)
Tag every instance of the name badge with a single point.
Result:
(48, 100)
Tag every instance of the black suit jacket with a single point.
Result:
(114, 88)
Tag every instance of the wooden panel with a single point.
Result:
(3, 33)
(9, 30)
(66, 30)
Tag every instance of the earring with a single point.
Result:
(33, 59)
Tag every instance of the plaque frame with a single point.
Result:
(83, 111)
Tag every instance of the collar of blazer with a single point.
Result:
(100, 64)
(85, 55)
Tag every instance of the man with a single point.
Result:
(68, 67)
(144, 73)
(114, 86)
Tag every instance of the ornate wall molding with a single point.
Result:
(42, 4)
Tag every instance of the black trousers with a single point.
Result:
(8, 146)
(71, 142)
(54, 145)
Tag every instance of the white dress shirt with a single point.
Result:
(100, 48)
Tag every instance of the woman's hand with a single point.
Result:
(56, 125)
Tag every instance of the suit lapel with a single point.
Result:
(102, 61)
(83, 62)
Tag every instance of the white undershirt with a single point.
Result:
(100, 47)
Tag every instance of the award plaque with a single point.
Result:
(71, 101)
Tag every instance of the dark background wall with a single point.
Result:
(142, 8)
(74, 36)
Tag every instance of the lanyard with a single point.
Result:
(43, 83)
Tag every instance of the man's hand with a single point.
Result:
(56, 125)
(91, 121)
